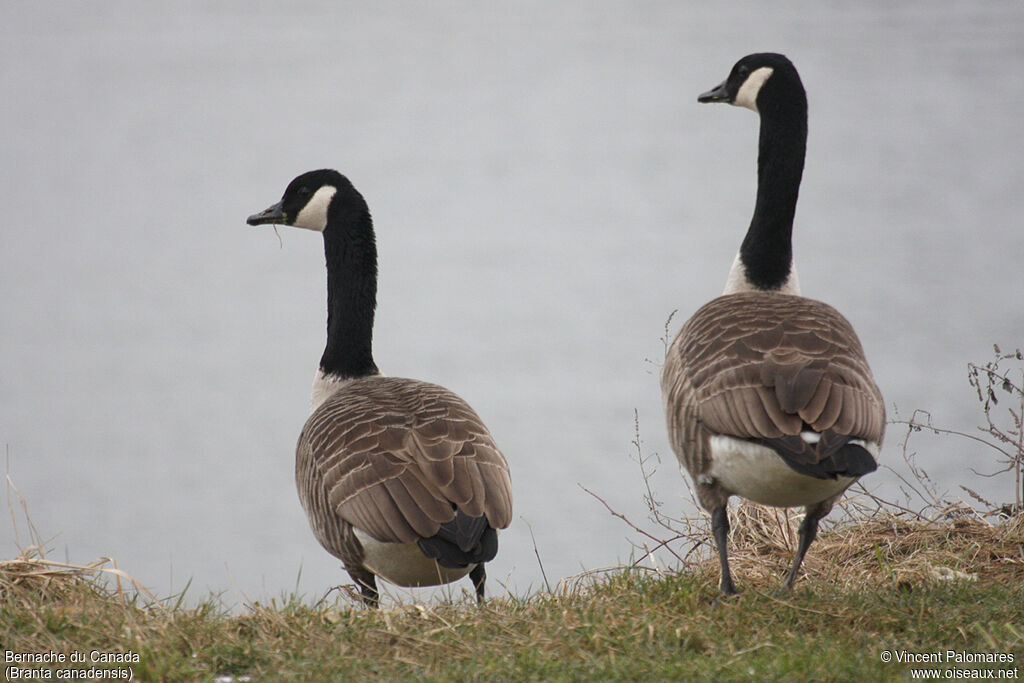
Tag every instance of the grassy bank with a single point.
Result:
(882, 583)
(922, 579)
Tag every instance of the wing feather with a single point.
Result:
(762, 366)
(396, 457)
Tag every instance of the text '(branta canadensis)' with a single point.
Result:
(399, 478)
(768, 394)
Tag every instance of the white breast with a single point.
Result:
(403, 564)
(757, 473)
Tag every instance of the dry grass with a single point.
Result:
(873, 582)
(619, 624)
(880, 545)
(31, 572)
(923, 576)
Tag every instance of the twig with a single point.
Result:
(625, 519)
(537, 554)
(953, 432)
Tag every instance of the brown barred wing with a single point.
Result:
(396, 458)
(765, 366)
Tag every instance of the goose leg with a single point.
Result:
(367, 586)
(720, 530)
(808, 532)
(478, 576)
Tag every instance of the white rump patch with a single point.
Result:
(404, 564)
(870, 446)
(759, 474)
(313, 215)
(746, 96)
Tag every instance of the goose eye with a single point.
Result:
(305, 192)
(743, 72)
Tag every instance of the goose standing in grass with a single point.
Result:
(767, 393)
(399, 478)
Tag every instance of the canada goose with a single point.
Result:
(399, 478)
(768, 394)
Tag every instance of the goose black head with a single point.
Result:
(755, 79)
(312, 200)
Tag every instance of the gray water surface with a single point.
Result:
(546, 191)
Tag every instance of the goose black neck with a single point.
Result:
(767, 250)
(351, 254)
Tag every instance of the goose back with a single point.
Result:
(395, 459)
(766, 367)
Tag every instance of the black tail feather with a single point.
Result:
(853, 461)
(832, 456)
(468, 531)
(461, 542)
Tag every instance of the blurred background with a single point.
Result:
(546, 191)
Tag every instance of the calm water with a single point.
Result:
(546, 191)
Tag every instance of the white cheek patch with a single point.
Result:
(747, 95)
(314, 214)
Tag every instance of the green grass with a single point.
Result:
(882, 579)
(626, 625)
